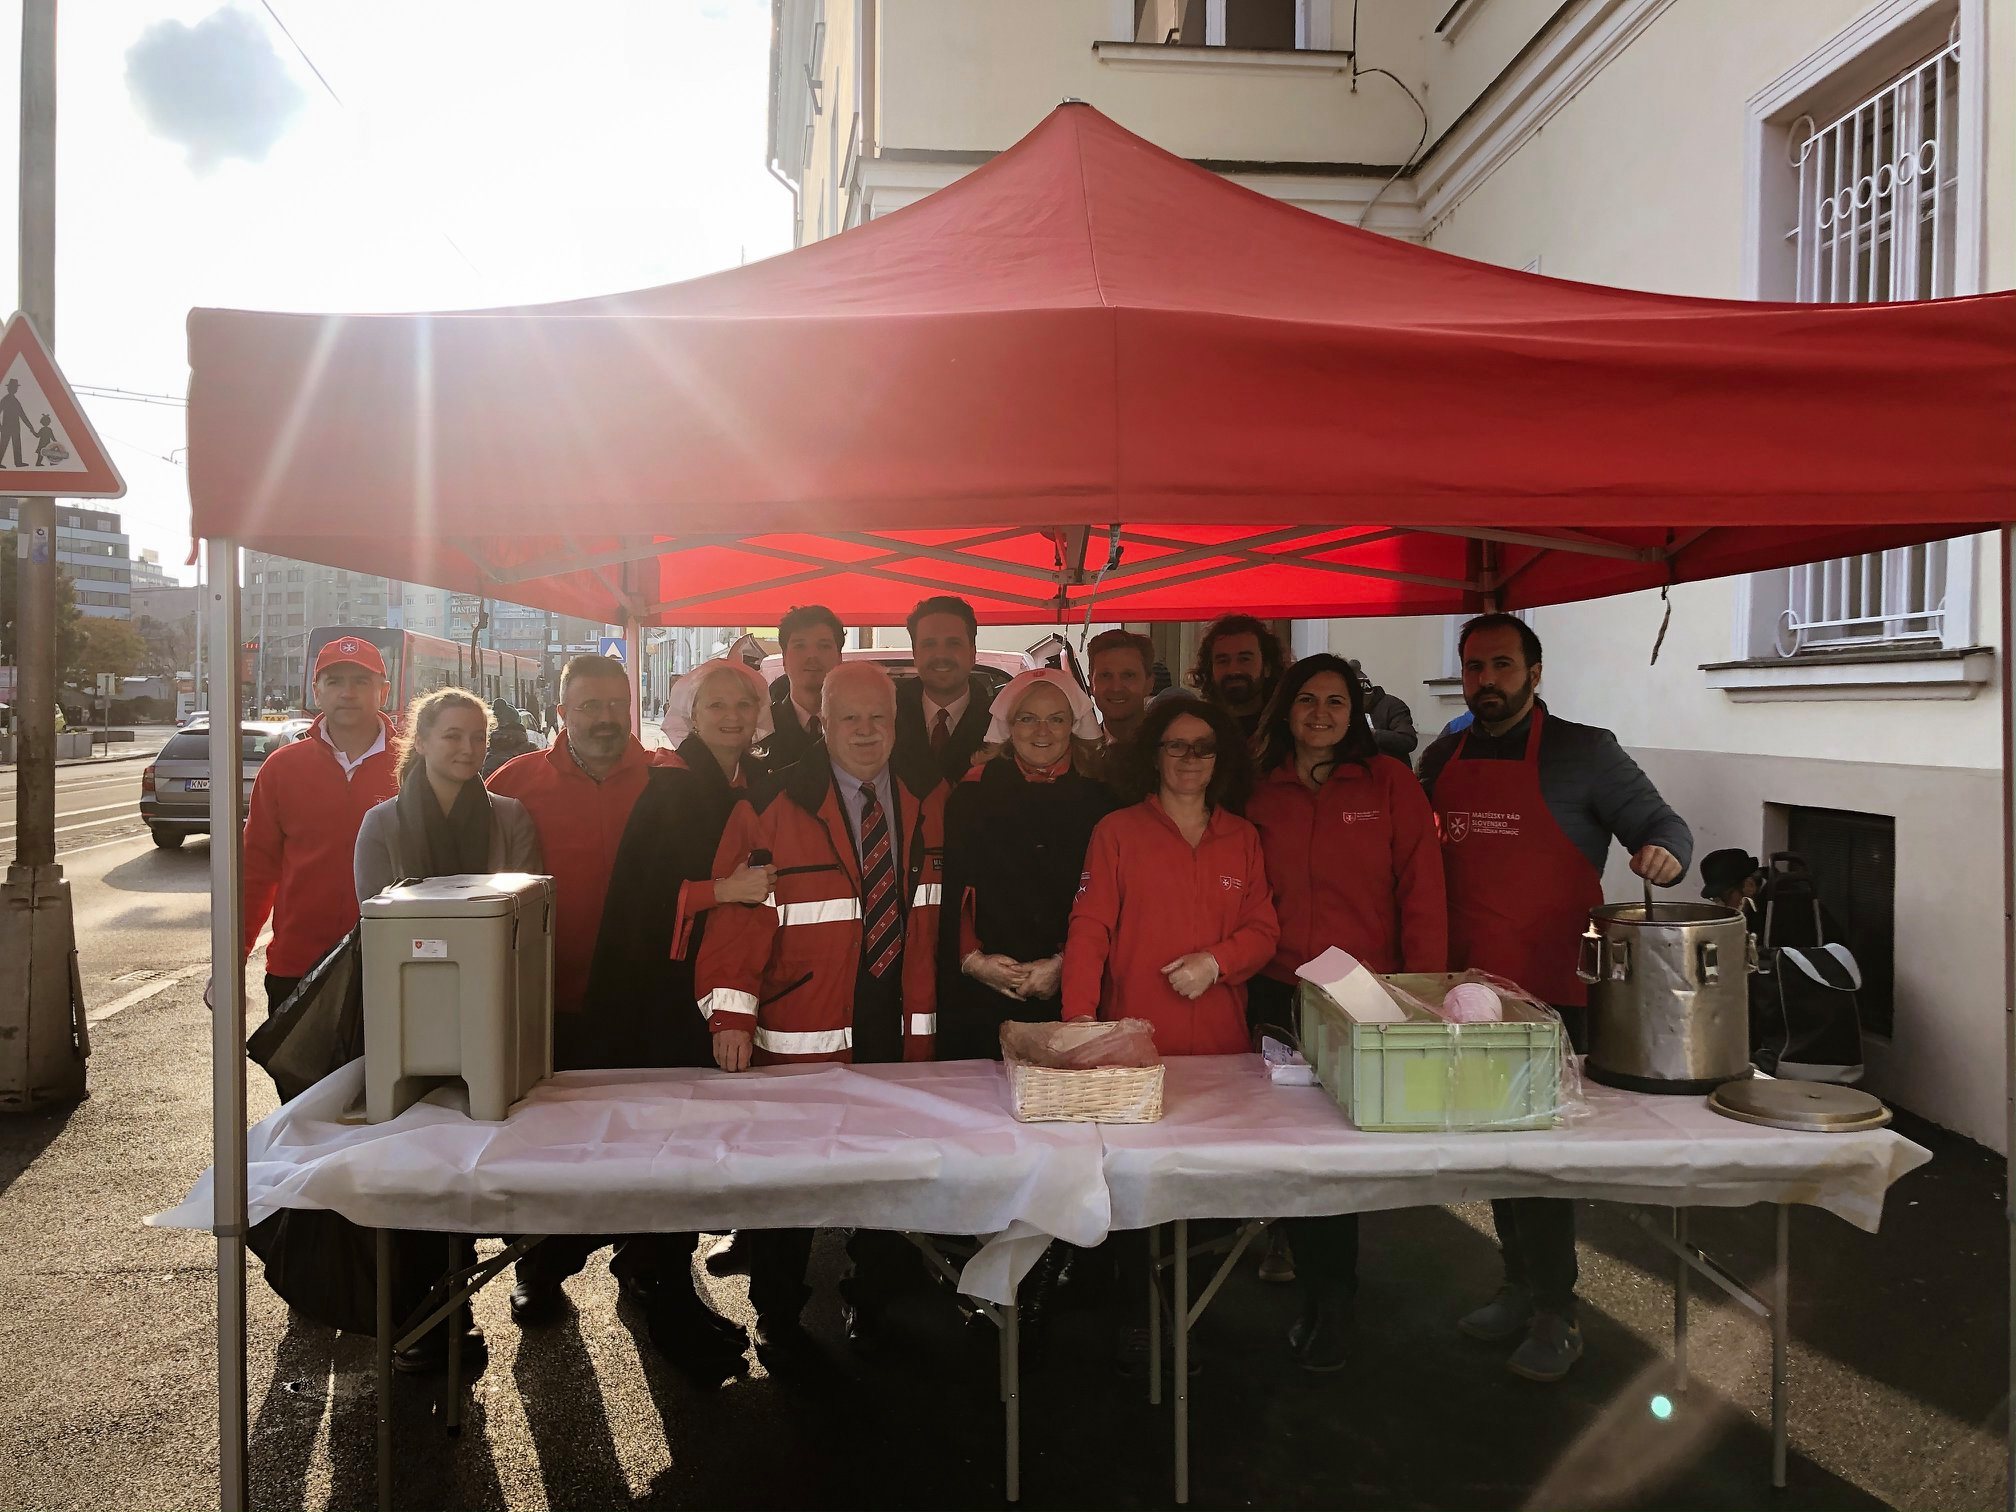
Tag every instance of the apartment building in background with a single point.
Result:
(1808, 150)
(93, 550)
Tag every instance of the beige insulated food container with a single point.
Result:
(458, 985)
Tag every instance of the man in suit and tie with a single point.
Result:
(841, 964)
(810, 635)
(941, 713)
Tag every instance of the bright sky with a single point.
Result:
(565, 150)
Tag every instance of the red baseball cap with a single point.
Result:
(348, 648)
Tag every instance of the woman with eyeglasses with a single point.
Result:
(1016, 831)
(1174, 914)
(1355, 862)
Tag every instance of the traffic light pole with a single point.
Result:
(42, 1035)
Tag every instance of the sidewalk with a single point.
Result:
(146, 743)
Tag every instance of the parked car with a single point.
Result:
(175, 786)
(200, 720)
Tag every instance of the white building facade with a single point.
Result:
(1790, 150)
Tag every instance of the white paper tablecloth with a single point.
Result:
(921, 1147)
(933, 1148)
(1231, 1144)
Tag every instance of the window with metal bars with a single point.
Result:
(1853, 859)
(1874, 220)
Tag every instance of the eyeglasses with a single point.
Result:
(1029, 723)
(1203, 750)
(592, 709)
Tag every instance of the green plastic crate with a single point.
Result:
(1430, 1074)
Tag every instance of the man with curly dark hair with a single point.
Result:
(1238, 663)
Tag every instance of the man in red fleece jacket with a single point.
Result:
(308, 803)
(580, 791)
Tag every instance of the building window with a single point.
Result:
(1265, 25)
(1853, 858)
(1869, 202)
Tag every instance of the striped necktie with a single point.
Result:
(881, 931)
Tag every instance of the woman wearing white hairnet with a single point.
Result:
(639, 1004)
(1015, 836)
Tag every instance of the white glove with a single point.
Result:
(1003, 973)
(1043, 977)
(1192, 973)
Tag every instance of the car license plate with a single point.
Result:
(197, 785)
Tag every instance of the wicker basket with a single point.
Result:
(1110, 1094)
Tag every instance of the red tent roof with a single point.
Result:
(1277, 412)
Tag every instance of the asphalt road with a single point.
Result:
(95, 802)
(107, 1393)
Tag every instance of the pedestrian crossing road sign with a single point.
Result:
(615, 647)
(47, 446)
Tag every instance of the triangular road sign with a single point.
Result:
(47, 446)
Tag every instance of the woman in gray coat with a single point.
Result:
(444, 822)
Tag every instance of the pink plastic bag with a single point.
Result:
(1081, 1044)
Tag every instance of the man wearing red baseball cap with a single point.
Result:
(308, 803)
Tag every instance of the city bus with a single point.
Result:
(418, 664)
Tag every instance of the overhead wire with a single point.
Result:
(1412, 157)
(323, 79)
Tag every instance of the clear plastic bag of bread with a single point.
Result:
(1082, 1044)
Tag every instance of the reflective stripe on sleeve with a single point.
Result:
(923, 1023)
(825, 911)
(927, 895)
(728, 1000)
(804, 1042)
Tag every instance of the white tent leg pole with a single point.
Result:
(2007, 564)
(227, 1019)
(633, 645)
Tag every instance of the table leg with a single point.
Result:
(1011, 1350)
(1182, 1363)
(1154, 1317)
(451, 1414)
(1781, 1341)
(1683, 1286)
(384, 1267)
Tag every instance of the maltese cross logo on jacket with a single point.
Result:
(1459, 826)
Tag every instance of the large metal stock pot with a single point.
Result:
(1669, 995)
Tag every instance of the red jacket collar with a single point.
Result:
(314, 731)
(1214, 824)
(561, 759)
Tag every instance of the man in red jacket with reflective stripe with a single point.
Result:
(843, 965)
(308, 802)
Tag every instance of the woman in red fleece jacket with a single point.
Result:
(1173, 913)
(1355, 861)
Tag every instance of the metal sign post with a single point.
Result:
(42, 1034)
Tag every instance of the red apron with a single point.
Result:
(1520, 890)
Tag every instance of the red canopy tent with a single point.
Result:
(1088, 343)
(1273, 409)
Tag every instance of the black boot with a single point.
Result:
(706, 1347)
(1318, 1338)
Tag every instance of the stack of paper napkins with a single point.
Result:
(1352, 988)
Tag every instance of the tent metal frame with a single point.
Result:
(1074, 588)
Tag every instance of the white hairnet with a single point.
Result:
(678, 721)
(1084, 718)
